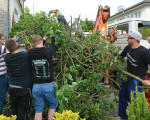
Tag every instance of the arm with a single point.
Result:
(52, 48)
(45, 41)
(2, 50)
(63, 20)
(124, 52)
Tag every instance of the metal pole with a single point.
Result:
(7, 20)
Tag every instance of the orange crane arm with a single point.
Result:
(101, 20)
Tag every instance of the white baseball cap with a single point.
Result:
(135, 34)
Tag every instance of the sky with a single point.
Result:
(84, 8)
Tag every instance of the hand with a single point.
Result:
(15, 37)
(146, 82)
(19, 39)
(45, 37)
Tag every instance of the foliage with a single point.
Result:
(79, 64)
(37, 24)
(13, 117)
(67, 115)
(145, 32)
(138, 108)
(87, 25)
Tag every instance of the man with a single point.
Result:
(43, 79)
(20, 79)
(147, 81)
(60, 17)
(3, 75)
(138, 58)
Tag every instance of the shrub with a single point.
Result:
(138, 108)
(67, 115)
(13, 117)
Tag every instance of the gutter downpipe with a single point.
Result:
(23, 4)
(7, 19)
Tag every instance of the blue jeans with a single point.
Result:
(3, 90)
(42, 93)
(124, 95)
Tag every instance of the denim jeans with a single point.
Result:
(124, 95)
(42, 93)
(3, 90)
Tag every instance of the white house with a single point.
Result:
(10, 11)
(132, 18)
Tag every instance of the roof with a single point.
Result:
(138, 4)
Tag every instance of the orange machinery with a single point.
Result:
(101, 20)
(103, 15)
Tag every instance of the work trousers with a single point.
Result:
(20, 102)
(124, 95)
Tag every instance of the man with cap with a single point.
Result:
(138, 58)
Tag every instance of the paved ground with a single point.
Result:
(112, 114)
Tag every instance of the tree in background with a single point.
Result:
(145, 32)
(87, 25)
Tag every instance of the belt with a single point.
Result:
(2, 75)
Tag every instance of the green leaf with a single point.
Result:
(69, 77)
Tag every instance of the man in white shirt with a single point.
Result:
(3, 73)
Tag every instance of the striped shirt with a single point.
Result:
(3, 68)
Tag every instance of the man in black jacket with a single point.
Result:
(20, 80)
(43, 79)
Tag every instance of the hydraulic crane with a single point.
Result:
(103, 15)
(101, 20)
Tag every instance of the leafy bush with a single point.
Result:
(79, 64)
(67, 115)
(13, 117)
(87, 25)
(145, 32)
(138, 108)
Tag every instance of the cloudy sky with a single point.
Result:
(74, 8)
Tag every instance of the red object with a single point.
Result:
(147, 94)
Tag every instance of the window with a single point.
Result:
(139, 14)
(136, 15)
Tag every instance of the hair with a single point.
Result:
(138, 41)
(56, 10)
(1, 35)
(11, 45)
(148, 35)
(37, 39)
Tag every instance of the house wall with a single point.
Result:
(131, 17)
(3, 16)
(15, 10)
(146, 12)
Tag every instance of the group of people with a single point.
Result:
(26, 74)
(27, 71)
(30, 73)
